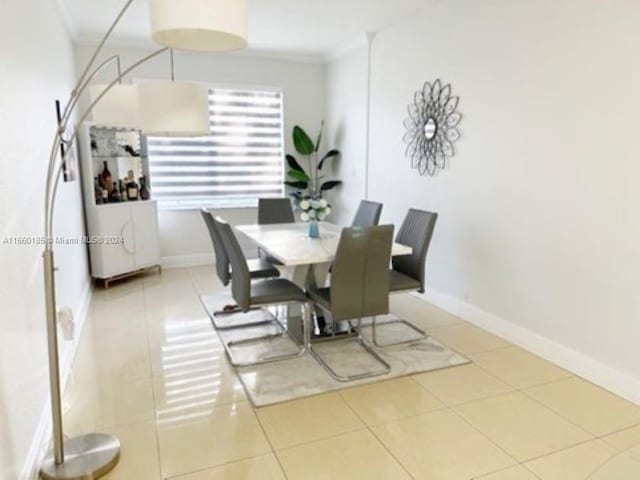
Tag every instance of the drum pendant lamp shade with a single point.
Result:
(174, 109)
(200, 25)
(119, 106)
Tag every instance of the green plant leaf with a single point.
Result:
(300, 184)
(298, 175)
(330, 184)
(302, 142)
(319, 136)
(293, 163)
(330, 154)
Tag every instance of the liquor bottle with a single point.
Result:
(105, 175)
(144, 191)
(105, 195)
(97, 190)
(123, 191)
(132, 190)
(114, 195)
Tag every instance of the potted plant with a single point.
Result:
(309, 185)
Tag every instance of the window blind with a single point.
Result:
(241, 161)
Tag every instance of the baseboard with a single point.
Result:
(180, 261)
(578, 363)
(201, 259)
(40, 441)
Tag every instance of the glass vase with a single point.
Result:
(314, 230)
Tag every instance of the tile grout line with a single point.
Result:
(235, 372)
(214, 467)
(486, 475)
(452, 409)
(206, 468)
(266, 435)
(490, 440)
(253, 410)
(560, 414)
(374, 435)
(321, 439)
(618, 432)
(523, 391)
(153, 390)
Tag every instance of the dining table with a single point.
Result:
(300, 258)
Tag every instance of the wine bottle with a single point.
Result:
(144, 191)
(123, 191)
(105, 175)
(97, 190)
(114, 195)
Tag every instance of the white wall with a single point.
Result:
(539, 219)
(36, 61)
(183, 234)
(347, 129)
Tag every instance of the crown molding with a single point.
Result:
(357, 43)
(248, 53)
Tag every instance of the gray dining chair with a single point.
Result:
(275, 210)
(258, 268)
(359, 287)
(265, 293)
(408, 271)
(368, 214)
(272, 211)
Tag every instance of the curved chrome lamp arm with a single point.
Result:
(57, 164)
(74, 100)
(77, 91)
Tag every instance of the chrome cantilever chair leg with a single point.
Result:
(259, 323)
(348, 378)
(235, 311)
(374, 332)
(276, 358)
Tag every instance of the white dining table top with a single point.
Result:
(290, 244)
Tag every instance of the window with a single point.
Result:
(241, 161)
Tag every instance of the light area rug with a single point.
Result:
(303, 376)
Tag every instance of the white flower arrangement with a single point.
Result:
(314, 209)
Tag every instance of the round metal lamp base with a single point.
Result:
(86, 458)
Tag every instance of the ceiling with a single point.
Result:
(310, 28)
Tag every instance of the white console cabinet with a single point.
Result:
(123, 236)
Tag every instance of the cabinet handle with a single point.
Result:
(124, 243)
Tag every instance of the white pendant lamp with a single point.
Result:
(174, 109)
(200, 25)
(119, 106)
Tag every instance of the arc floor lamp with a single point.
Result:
(195, 25)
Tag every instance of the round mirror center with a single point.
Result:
(430, 128)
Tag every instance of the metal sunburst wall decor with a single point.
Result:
(432, 127)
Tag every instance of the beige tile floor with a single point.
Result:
(150, 370)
